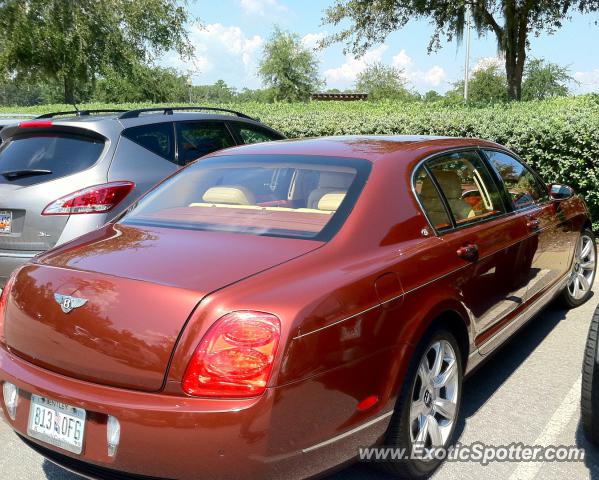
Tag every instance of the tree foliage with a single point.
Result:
(382, 81)
(511, 21)
(75, 41)
(486, 86)
(144, 84)
(544, 79)
(289, 67)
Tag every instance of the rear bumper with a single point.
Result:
(11, 260)
(277, 435)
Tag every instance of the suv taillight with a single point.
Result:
(235, 357)
(96, 199)
(3, 300)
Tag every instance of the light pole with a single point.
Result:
(467, 62)
(189, 86)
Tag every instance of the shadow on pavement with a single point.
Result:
(487, 379)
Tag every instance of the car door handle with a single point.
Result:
(468, 252)
(533, 223)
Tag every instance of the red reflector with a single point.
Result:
(235, 357)
(35, 124)
(96, 199)
(367, 403)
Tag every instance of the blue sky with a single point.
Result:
(233, 32)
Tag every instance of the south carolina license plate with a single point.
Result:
(5, 222)
(56, 423)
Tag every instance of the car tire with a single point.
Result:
(575, 293)
(589, 403)
(404, 427)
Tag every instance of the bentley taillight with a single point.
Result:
(96, 199)
(235, 358)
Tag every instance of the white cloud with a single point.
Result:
(402, 60)
(435, 76)
(419, 78)
(222, 52)
(263, 8)
(487, 62)
(311, 40)
(345, 75)
(589, 81)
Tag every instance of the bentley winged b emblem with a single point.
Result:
(68, 303)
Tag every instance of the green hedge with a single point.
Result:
(559, 137)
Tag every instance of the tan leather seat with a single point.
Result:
(331, 202)
(330, 182)
(451, 186)
(229, 194)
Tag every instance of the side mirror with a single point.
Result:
(560, 192)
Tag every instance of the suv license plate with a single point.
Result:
(5, 222)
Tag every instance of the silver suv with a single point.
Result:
(61, 177)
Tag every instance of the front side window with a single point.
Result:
(468, 190)
(289, 196)
(524, 189)
(196, 139)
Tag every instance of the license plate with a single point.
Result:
(5, 222)
(56, 423)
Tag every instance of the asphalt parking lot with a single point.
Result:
(528, 392)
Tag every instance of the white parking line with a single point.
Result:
(554, 427)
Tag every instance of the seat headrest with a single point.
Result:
(450, 183)
(330, 202)
(339, 180)
(233, 195)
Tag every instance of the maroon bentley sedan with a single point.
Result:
(268, 310)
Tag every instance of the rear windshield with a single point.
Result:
(31, 159)
(289, 196)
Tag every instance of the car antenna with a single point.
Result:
(76, 108)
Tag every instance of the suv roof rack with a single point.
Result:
(171, 110)
(80, 113)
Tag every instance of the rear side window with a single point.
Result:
(523, 187)
(431, 200)
(251, 134)
(196, 139)
(33, 159)
(157, 138)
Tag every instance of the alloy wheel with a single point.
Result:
(583, 268)
(433, 407)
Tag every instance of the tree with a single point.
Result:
(289, 67)
(75, 41)
(487, 85)
(544, 79)
(218, 92)
(511, 21)
(381, 81)
(144, 84)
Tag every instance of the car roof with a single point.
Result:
(111, 124)
(370, 147)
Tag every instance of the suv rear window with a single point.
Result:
(28, 160)
(288, 196)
